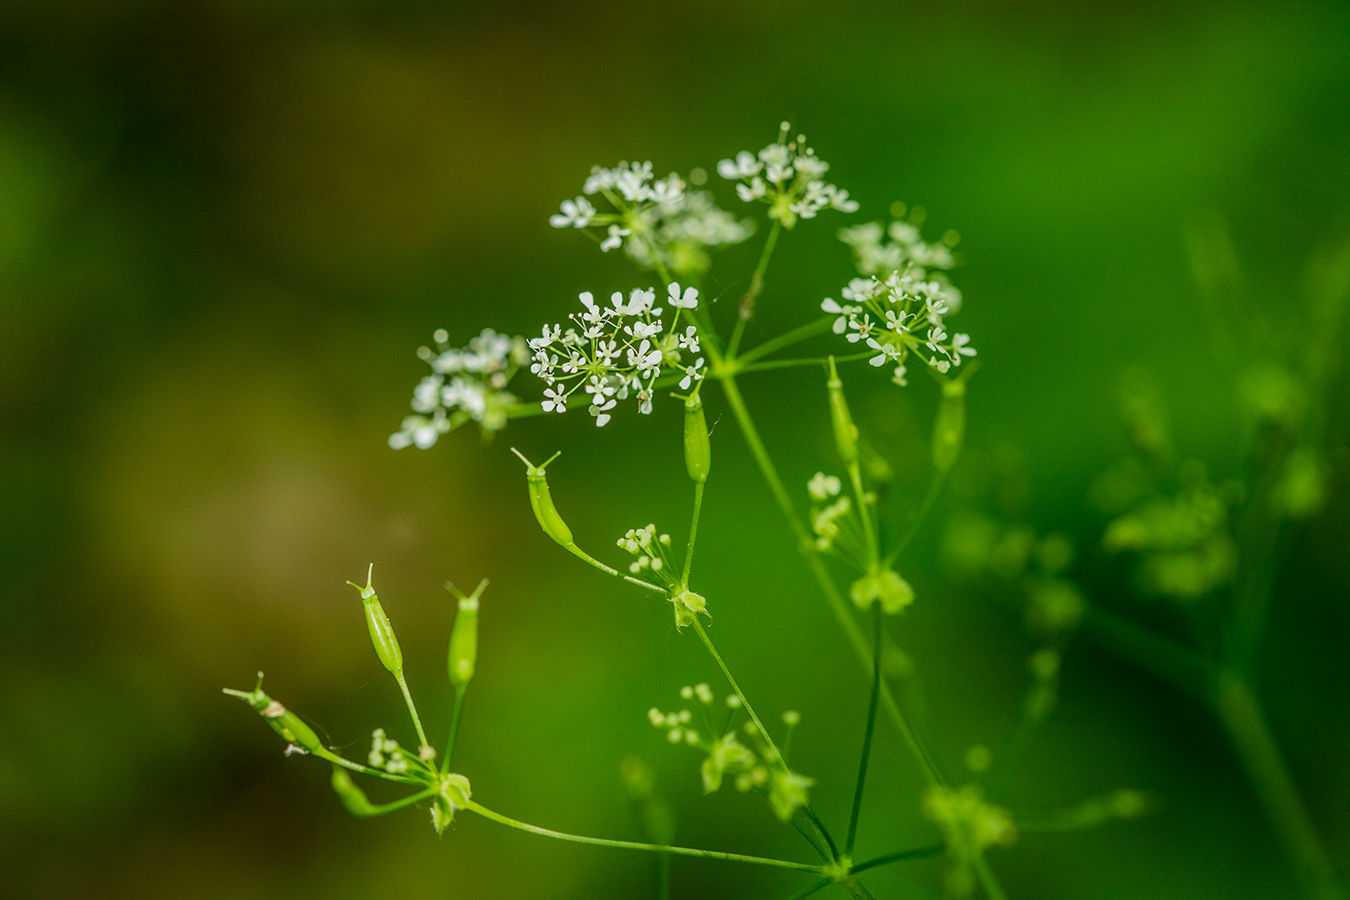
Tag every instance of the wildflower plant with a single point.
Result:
(651, 340)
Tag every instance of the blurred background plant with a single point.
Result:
(225, 224)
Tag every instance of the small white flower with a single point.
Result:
(960, 348)
(615, 238)
(822, 487)
(689, 340)
(575, 213)
(555, 399)
(743, 166)
(691, 374)
(687, 300)
(845, 313)
(752, 191)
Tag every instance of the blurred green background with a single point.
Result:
(226, 226)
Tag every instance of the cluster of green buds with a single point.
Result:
(1183, 541)
(969, 825)
(654, 566)
(755, 766)
(445, 791)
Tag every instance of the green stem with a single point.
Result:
(787, 339)
(902, 856)
(386, 808)
(988, 880)
(1246, 725)
(811, 889)
(931, 773)
(1165, 658)
(797, 363)
(486, 813)
(778, 758)
(336, 760)
(867, 733)
(693, 531)
(412, 710)
(746, 311)
(929, 498)
(454, 729)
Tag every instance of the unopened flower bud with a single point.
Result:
(284, 722)
(845, 432)
(950, 428)
(352, 797)
(463, 656)
(697, 447)
(377, 621)
(541, 501)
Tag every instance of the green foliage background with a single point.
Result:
(224, 228)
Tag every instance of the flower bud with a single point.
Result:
(697, 447)
(845, 432)
(284, 722)
(463, 656)
(541, 501)
(950, 428)
(352, 796)
(381, 631)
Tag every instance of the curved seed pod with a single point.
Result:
(950, 427)
(697, 446)
(845, 432)
(463, 657)
(541, 501)
(284, 722)
(352, 796)
(381, 631)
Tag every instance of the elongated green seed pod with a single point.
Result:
(845, 432)
(381, 631)
(541, 501)
(284, 722)
(463, 656)
(697, 446)
(352, 796)
(950, 427)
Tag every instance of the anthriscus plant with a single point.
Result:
(620, 356)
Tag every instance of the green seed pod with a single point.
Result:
(845, 432)
(950, 428)
(352, 796)
(541, 501)
(463, 656)
(697, 447)
(381, 631)
(284, 722)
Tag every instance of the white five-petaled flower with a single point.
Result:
(960, 348)
(686, 300)
(691, 374)
(615, 238)
(575, 213)
(555, 399)
(843, 312)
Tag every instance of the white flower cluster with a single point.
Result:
(756, 769)
(787, 176)
(385, 753)
(657, 222)
(465, 384)
(610, 352)
(899, 307)
(649, 553)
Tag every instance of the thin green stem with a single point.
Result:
(1246, 725)
(778, 758)
(736, 688)
(475, 807)
(386, 808)
(797, 363)
(324, 753)
(988, 880)
(867, 733)
(902, 856)
(746, 311)
(928, 766)
(412, 709)
(693, 531)
(929, 498)
(1165, 658)
(454, 729)
(867, 514)
(811, 889)
(787, 339)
